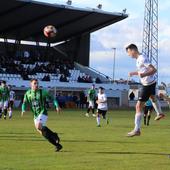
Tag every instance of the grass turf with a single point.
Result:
(86, 147)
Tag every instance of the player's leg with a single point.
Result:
(145, 114)
(93, 110)
(157, 107)
(98, 117)
(143, 97)
(11, 103)
(149, 115)
(51, 136)
(155, 102)
(89, 108)
(104, 115)
(5, 109)
(88, 111)
(1, 106)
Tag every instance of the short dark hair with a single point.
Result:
(3, 82)
(33, 80)
(132, 47)
(101, 88)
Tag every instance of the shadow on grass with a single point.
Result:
(95, 141)
(134, 153)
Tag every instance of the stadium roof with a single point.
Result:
(25, 20)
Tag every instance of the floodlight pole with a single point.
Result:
(150, 32)
(114, 63)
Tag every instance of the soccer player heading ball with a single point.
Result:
(36, 98)
(146, 72)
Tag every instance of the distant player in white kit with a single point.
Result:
(102, 106)
(146, 72)
(11, 102)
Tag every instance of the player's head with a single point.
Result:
(9, 87)
(132, 50)
(34, 84)
(101, 90)
(3, 83)
(93, 86)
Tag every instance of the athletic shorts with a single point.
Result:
(41, 119)
(11, 104)
(91, 104)
(146, 91)
(147, 109)
(102, 112)
(4, 104)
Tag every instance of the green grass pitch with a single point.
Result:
(86, 147)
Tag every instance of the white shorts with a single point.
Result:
(91, 104)
(4, 104)
(41, 119)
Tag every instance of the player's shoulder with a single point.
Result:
(28, 92)
(44, 92)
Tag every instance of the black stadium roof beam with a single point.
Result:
(25, 20)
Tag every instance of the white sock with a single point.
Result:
(157, 107)
(138, 118)
(10, 113)
(98, 120)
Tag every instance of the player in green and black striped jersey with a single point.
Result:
(36, 98)
(4, 98)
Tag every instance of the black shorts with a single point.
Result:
(147, 109)
(102, 112)
(11, 104)
(146, 91)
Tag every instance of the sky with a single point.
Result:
(121, 34)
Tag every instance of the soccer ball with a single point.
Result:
(50, 31)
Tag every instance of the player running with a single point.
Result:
(102, 106)
(4, 98)
(11, 101)
(147, 112)
(91, 97)
(146, 72)
(36, 98)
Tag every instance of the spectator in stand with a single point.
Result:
(98, 81)
(63, 78)
(46, 78)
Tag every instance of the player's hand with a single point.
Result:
(58, 109)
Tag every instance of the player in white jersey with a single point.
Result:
(146, 72)
(11, 102)
(102, 106)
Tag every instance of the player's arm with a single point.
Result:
(134, 73)
(151, 70)
(104, 100)
(24, 104)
